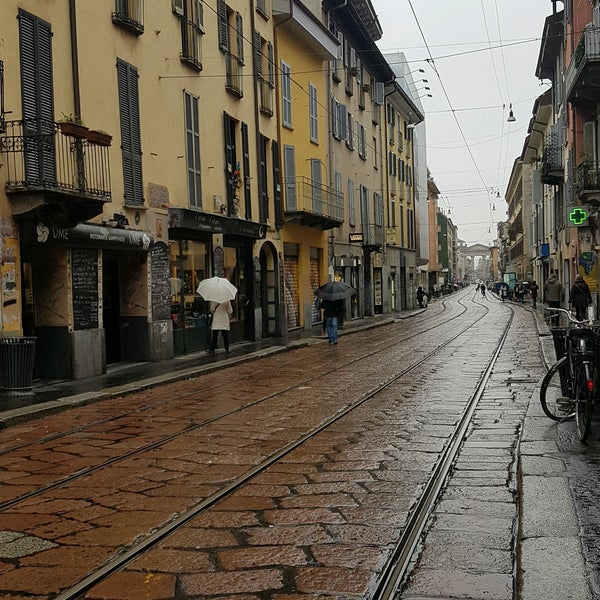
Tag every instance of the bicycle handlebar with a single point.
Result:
(569, 314)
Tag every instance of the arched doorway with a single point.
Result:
(269, 300)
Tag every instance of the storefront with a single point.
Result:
(87, 295)
(203, 245)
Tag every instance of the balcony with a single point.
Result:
(552, 169)
(587, 181)
(312, 204)
(582, 79)
(373, 236)
(50, 173)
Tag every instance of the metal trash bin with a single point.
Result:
(17, 357)
(559, 335)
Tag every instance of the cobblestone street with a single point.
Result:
(268, 479)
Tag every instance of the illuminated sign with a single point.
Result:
(578, 216)
(355, 237)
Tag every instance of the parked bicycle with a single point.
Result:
(569, 387)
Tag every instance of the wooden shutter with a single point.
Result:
(246, 158)
(131, 148)
(289, 167)
(277, 184)
(262, 179)
(271, 63)
(239, 30)
(35, 40)
(223, 26)
(229, 160)
(258, 55)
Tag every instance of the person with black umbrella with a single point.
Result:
(332, 312)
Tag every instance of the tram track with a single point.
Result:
(416, 522)
(7, 504)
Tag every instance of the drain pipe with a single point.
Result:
(74, 60)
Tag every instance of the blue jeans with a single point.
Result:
(331, 326)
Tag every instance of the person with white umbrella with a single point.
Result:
(218, 291)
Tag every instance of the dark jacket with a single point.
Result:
(580, 296)
(332, 308)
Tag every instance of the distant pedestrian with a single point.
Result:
(533, 290)
(220, 322)
(503, 292)
(553, 295)
(332, 311)
(483, 289)
(421, 295)
(580, 298)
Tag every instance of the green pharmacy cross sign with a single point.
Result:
(578, 216)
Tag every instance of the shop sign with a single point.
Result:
(93, 236)
(355, 238)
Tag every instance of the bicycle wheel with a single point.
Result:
(584, 391)
(554, 396)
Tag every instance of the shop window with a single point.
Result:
(188, 266)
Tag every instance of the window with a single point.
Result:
(131, 146)
(231, 43)
(350, 132)
(378, 208)
(129, 14)
(192, 147)
(265, 72)
(286, 94)
(263, 7)
(335, 119)
(375, 164)
(391, 121)
(192, 29)
(313, 113)
(289, 167)
(360, 82)
(351, 206)
(362, 142)
(339, 200)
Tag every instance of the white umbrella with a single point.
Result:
(216, 289)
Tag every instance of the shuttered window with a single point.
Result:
(286, 94)
(313, 114)
(192, 138)
(351, 204)
(35, 44)
(289, 168)
(131, 147)
(223, 26)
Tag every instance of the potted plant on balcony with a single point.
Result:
(101, 138)
(73, 127)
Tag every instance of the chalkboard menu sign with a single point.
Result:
(84, 264)
(161, 284)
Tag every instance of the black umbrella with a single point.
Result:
(334, 290)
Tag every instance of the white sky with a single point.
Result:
(471, 85)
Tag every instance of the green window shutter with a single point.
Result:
(239, 30)
(131, 150)
(223, 26)
(258, 54)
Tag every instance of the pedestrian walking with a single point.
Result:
(220, 322)
(332, 311)
(580, 298)
(420, 296)
(533, 290)
(483, 289)
(503, 292)
(553, 295)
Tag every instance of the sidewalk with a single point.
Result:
(551, 561)
(49, 397)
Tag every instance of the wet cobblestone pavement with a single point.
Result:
(321, 521)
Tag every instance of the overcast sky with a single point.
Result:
(484, 58)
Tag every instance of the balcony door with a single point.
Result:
(35, 44)
(289, 167)
(316, 184)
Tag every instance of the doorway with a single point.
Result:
(268, 291)
(111, 306)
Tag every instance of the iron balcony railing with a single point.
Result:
(587, 178)
(308, 196)
(588, 50)
(38, 156)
